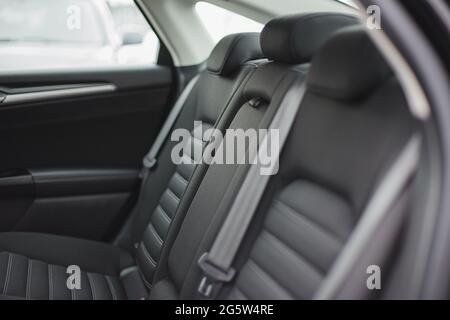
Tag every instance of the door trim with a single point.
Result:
(52, 94)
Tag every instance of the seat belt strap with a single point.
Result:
(217, 263)
(378, 208)
(151, 158)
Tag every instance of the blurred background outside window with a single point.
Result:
(220, 22)
(43, 34)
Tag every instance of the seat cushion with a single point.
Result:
(34, 266)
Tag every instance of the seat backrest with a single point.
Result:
(268, 84)
(217, 87)
(352, 124)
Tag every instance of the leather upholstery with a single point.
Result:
(202, 221)
(33, 266)
(149, 249)
(34, 279)
(322, 190)
(301, 237)
(232, 52)
(295, 39)
(335, 156)
(353, 77)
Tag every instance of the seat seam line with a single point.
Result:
(172, 194)
(164, 214)
(111, 288)
(50, 282)
(180, 178)
(92, 285)
(318, 225)
(147, 254)
(8, 273)
(264, 273)
(155, 233)
(29, 276)
(287, 247)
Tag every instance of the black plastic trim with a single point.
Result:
(71, 182)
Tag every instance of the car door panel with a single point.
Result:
(97, 125)
(86, 203)
(86, 129)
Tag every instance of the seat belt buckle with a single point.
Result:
(212, 276)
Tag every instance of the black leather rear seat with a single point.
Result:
(352, 124)
(289, 62)
(216, 94)
(33, 265)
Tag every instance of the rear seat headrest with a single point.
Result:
(348, 66)
(233, 51)
(296, 38)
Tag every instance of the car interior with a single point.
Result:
(79, 186)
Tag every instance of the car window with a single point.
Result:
(29, 21)
(220, 22)
(74, 33)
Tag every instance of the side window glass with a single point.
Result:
(47, 34)
(220, 22)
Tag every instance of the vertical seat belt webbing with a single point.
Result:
(151, 158)
(217, 263)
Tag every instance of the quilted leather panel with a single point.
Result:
(302, 234)
(26, 278)
(149, 249)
